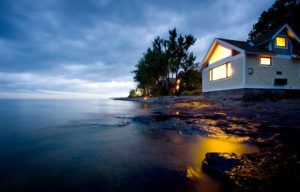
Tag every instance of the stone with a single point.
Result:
(218, 163)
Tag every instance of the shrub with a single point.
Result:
(132, 93)
(191, 93)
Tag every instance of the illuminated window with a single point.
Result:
(220, 53)
(280, 41)
(220, 72)
(265, 61)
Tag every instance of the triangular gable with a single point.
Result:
(218, 51)
(291, 34)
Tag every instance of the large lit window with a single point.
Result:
(265, 61)
(220, 72)
(220, 53)
(280, 41)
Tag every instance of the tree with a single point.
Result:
(281, 12)
(164, 57)
(132, 93)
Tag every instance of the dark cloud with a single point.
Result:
(84, 46)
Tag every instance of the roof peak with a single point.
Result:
(270, 35)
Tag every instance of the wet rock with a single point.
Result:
(143, 119)
(218, 163)
(123, 124)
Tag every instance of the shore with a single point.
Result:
(274, 126)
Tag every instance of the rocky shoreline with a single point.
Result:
(274, 126)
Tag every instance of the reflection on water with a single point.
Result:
(89, 151)
(208, 145)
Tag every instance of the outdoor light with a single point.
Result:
(250, 70)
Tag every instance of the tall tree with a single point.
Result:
(281, 12)
(188, 58)
(163, 58)
(174, 60)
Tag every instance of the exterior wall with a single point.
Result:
(252, 94)
(263, 76)
(233, 82)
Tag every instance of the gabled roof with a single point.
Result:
(265, 37)
(252, 47)
(273, 33)
(240, 46)
(246, 46)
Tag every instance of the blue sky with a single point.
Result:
(87, 49)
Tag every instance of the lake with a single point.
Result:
(93, 145)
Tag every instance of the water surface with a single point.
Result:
(83, 145)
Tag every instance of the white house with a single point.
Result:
(272, 61)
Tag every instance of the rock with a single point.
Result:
(218, 163)
(123, 124)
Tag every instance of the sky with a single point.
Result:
(89, 48)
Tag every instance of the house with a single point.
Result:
(173, 83)
(270, 62)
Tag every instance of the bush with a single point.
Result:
(191, 93)
(132, 93)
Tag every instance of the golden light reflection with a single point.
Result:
(177, 112)
(192, 172)
(209, 145)
(220, 53)
(191, 104)
(145, 106)
(177, 87)
(280, 42)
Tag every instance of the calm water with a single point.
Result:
(79, 145)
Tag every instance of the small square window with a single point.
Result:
(265, 61)
(280, 41)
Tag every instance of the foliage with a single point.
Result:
(165, 58)
(281, 12)
(132, 93)
(191, 93)
(192, 79)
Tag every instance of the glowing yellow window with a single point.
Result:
(220, 72)
(265, 61)
(220, 53)
(280, 41)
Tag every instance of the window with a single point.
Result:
(266, 61)
(280, 41)
(220, 53)
(220, 72)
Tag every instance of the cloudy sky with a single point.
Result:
(88, 48)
